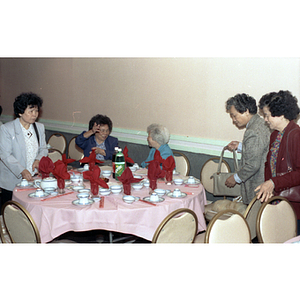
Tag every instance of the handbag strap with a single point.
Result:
(36, 132)
(235, 161)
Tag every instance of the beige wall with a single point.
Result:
(185, 94)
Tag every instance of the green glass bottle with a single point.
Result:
(119, 164)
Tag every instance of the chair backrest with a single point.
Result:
(276, 223)
(182, 163)
(208, 169)
(227, 226)
(19, 225)
(58, 142)
(250, 215)
(180, 226)
(55, 155)
(74, 151)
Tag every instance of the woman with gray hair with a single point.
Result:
(158, 138)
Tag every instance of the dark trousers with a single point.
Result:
(5, 196)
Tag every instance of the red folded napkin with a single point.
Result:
(94, 177)
(60, 172)
(157, 157)
(155, 172)
(66, 160)
(125, 153)
(91, 160)
(127, 178)
(168, 165)
(46, 166)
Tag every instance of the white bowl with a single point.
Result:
(86, 167)
(75, 178)
(83, 190)
(138, 176)
(146, 183)
(178, 181)
(191, 180)
(104, 192)
(137, 186)
(116, 189)
(77, 188)
(39, 192)
(96, 199)
(24, 182)
(133, 169)
(160, 192)
(106, 173)
(128, 199)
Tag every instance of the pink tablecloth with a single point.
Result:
(56, 216)
(296, 239)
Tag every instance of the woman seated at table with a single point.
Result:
(98, 138)
(22, 144)
(158, 138)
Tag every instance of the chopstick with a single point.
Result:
(57, 196)
(101, 202)
(147, 202)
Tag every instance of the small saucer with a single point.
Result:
(197, 181)
(181, 196)
(77, 202)
(24, 186)
(33, 195)
(160, 199)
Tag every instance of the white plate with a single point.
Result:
(33, 195)
(181, 196)
(22, 186)
(197, 181)
(76, 202)
(160, 199)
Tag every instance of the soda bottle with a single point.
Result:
(113, 162)
(119, 164)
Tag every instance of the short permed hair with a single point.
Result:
(101, 120)
(242, 102)
(159, 133)
(24, 100)
(279, 104)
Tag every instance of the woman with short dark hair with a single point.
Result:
(22, 144)
(98, 138)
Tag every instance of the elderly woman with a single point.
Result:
(98, 138)
(22, 144)
(158, 138)
(280, 112)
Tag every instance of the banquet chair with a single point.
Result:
(180, 226)
(55, 155)
(18, 223)
(250, 215)
(276, 223)
(58, 142)
(227, 226)
(182, 163)
(74, 151)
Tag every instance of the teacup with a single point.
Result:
(49, 190)
(83, 195)
(178, 181)
(128, 199)
(39, 192)
(191, 180)
(75, 178)
(154, 197)
(24, 182)
(86, 167)
(83, 199)
(176, 193)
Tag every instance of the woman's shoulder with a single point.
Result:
(112, 138)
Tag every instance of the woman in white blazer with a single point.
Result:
(22, 144)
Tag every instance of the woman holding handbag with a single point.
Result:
(282, 168)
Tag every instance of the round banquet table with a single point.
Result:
(294, 240)
(57, 215)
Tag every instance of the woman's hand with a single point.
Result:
(230, 181)
(265, 190)
(26, 175)
(99, 151)
(232, 146)
(35, 165)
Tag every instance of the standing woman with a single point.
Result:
(280, 112)
(22, 144)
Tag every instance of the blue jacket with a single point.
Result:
(165, 152)
(87, 144)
